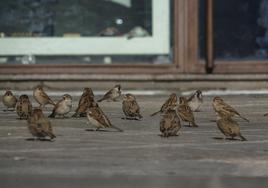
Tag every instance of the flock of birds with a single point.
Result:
(172, 112)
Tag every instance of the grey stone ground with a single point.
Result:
(138, 156)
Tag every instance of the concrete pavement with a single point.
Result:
(138, 156)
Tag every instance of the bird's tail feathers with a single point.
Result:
(242, 138)
(120, 130)
(100, 100)
(52, 136)
(244, 118)
(52, 115)
(194, 124)
(155, 113)
(51, 102)
(75, 114)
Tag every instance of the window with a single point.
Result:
(95, 31)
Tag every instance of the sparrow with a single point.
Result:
(24, 107)
(85, 102)
(97, 118)
(185, 112)
(109, 32)
(229, 127)
(171, 102)
(62, 107)
(112, 94)
(41, 97)
(130, 107)
(137, 32)
(9, 100)
(195, 101)
(221, 107)
(170, 123)
(39, 126)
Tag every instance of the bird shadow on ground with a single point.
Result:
(39, 139)
(135, 119)
(221, 138)
(189, 126)
(173, 136)
(12, 110)
(65, 117)
(21, 118)
(100, 130)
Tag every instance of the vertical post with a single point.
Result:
(209, 37)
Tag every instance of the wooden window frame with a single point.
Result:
(185, 60)
(185, 52)
(211, 64)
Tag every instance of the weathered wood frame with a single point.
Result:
(186, 59)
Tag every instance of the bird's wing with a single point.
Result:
(186, 112)
(227, 107)
(134, 107)
(43, 94)
(191, 97)
(102, 118)
(57, 105)
(108, 94)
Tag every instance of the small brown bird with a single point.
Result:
(195, 101)
(225, 109)
(24, 107)
(185, 112)
(170, 123)
(130, 107)
(9, 100)
(39, 126)
(229, 127)
(171, 102)
(112, 94)
(266, 114)
(41, 97)
(85, 102)
(97, 118)
(62, 107)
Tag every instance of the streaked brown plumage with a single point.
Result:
(195, 101)
(130, 107)
(171, 102)
(41, 97)
(185, 112)
(39, 126)
(85, 102)
(97, 118)
(225, 109)
(112, 94)
(24, 107)
(170, 123)
(229, 127)
(62, 107)
(9, 100)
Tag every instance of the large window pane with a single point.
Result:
(241, 29)
(85, 31)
